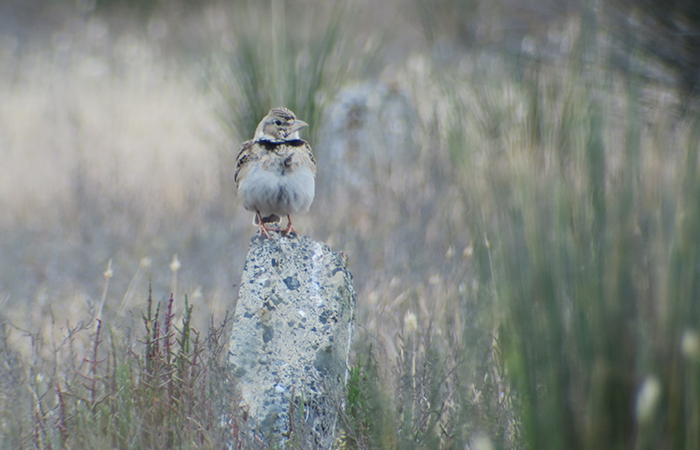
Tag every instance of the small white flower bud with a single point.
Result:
(108, 273)
(647, 399)
(482, 442)
(690, 345)
(410, 323)
(175, 265)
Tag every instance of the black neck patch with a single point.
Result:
(272, 145)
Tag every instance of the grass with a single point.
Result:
(289, 65)
(580, 229)
(165, 390)
(526, 277)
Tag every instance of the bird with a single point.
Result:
(276, 171)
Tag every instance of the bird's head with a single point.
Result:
(279, 125)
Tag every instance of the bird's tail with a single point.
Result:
(272, 218)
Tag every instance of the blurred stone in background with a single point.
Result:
(368, 127)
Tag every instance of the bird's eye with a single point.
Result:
(277, 122)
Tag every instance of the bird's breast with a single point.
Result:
(273, 187)
(281, 163)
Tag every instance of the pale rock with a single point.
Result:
(291, 338)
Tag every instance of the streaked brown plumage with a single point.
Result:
(276, 171)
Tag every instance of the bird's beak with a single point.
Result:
(297, 125)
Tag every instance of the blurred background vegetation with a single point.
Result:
(515, 182)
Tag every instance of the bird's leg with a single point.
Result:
(289, 228)
(262, 229)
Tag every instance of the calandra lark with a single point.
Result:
(276, 171)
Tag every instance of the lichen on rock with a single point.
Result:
(291, 337)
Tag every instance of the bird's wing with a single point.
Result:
(245, 156)
(307, 154)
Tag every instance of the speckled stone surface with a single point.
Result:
(291, 336)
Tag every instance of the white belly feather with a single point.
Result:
(278, 192)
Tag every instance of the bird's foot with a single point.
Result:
(262, 229)
(290, 229)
